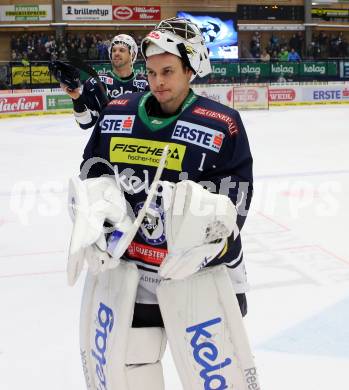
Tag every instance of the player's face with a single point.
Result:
(168, 80)
(120, 56)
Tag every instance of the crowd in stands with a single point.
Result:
(42, 47)
(279, 48)
(94, 46)
(332, 45)
(262, 47)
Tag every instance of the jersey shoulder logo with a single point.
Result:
(195, 134)
(210, 114)
(140, 84)
(106, 80)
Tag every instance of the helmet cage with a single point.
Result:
(126, 40)
(182, 38)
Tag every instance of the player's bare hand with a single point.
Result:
(74, 94)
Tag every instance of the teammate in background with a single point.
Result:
(88, 104)
(208, 145)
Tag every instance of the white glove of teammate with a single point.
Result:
(94, 201)
(197, 225)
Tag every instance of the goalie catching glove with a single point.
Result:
(65, 74)
(197, 225)
(95, 202)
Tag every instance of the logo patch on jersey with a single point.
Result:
(198, 135)
(145, 152)
(152, 228)
(140, 84)
(230, 122)
(119, 102)
(146, 253)
(117, 124)
(105, 79)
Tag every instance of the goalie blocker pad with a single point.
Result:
(197, 225)
(206, 333)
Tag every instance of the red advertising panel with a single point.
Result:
(135, 12)
(20, 103)
(282, 94)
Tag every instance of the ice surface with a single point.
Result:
(295, 241)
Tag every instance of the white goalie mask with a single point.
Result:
(182, 38)
(127, 41)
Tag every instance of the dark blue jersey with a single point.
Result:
(208, 144)
(93, 98)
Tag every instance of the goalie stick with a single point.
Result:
(119, 241)
(82, 65)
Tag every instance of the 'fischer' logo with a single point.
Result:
(105, 324)
(210, 372)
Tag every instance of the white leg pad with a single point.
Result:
(206, 333)
(145, 350)
(105, 323)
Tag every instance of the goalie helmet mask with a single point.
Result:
(182, 38)
(127, 41)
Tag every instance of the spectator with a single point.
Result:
(82, 51)
(293, 42)
(293, 56)
(102, 50)
(299, 43)
(72, 51)
(255, 45)
(274, 56)
(274, 43)
(283, 55)
(265, 56)
(92, 52)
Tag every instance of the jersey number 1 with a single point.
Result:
(202, 162)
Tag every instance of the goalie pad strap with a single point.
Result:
(145, 350)
(146, 345)
(144, 377)
(206, 332)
